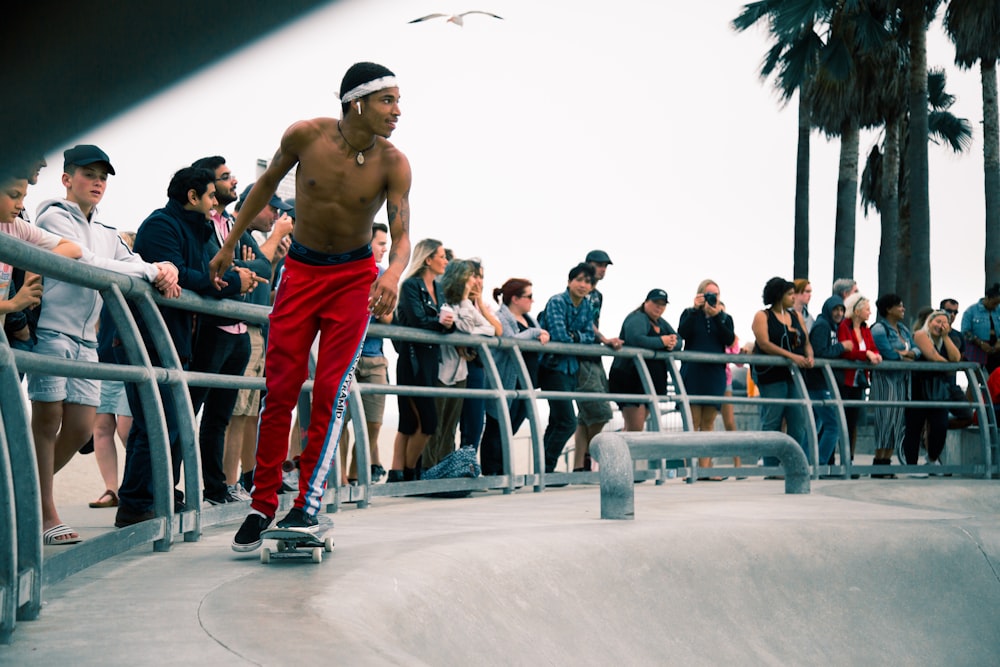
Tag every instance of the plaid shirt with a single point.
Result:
(567, 323)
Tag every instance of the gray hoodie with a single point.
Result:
(71, 309)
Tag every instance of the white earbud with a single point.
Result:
(359, 108)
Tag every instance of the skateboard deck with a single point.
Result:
(297, 543)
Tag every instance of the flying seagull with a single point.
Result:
(457, 19)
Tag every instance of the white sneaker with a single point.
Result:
(290, 480)
(238, 492)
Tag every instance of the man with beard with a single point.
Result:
(223, 344)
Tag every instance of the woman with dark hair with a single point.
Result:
(420, 299)
(854, 329)
(462, 287)
(643, 327)
(516, 298)
(780, 331)
(895, 342)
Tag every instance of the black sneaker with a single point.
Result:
(126, 517)
(247, 538)
(377, 473)
(297, 519)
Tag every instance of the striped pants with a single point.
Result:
(890, 422)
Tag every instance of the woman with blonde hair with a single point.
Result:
(853, 329)
(934, 344)
(803, 295)
(420, 299)
(705, 327)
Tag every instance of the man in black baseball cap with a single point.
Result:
(598, 257)
(85, 154)
(593, 415)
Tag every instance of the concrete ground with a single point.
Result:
(865, 572)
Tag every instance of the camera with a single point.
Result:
(712, 299)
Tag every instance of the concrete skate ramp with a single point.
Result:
(856, 573)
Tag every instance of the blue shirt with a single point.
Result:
(976, 321)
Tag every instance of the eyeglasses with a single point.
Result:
(225, 177)
(953, 313)
(527, 296)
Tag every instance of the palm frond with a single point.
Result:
(974, 28)
(937, 96)
(950, 129)
(870, 186)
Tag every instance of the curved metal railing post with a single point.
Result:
(20, 505)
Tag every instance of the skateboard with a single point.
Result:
(297, 543)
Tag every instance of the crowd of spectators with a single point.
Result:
(439, 294)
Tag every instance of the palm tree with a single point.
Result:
(974, 27)
(885, 186)
(792, 60)
(916, 16)
(849, 94)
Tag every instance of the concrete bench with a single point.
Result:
(617, 451)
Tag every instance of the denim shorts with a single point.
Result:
(52, 388)
(113, 400)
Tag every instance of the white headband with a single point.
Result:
(369, 88)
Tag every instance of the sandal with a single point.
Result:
(108, 499)
(50, 536)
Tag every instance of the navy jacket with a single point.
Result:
(174, 234)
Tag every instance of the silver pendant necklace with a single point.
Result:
(360, 157)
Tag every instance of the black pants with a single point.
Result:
(221, 353)
(937, 431)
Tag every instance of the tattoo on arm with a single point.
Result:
(398, 214)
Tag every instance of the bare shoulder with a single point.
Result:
(397, 164)
(304, 132)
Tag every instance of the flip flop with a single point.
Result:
(112, 500)
(50, 535)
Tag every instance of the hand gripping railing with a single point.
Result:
(616, 452)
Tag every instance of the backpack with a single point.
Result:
(460, 463)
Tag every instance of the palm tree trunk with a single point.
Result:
(888, 258)
(919, 272)
(847, 202)
(991, 166)
(800, 266)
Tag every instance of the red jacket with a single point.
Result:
(846, 332)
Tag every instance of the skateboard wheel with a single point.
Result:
(317, 555)
(328, 544)
(265, 555)
(282, 547)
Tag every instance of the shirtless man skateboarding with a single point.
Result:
(346, 170)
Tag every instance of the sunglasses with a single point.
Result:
(951, 312)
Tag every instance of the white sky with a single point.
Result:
(639, 128)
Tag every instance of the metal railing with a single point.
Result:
(24, 572)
